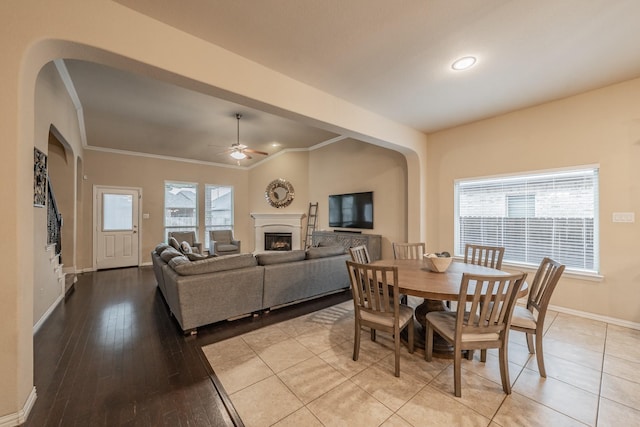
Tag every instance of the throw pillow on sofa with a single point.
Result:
(192, 256)
(169, 253)
(174, 243)
(160, 248)
(185, 248)
(324, 251)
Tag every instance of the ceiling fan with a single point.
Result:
(239, 151)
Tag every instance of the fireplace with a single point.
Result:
(279, 223)
(277, 241)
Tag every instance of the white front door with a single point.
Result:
(116, 236)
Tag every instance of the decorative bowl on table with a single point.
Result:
(437, 262)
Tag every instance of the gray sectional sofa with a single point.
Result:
(203, 291)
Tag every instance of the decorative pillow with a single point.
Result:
(174, 243)
(185, 248)
(160, 248)
(324, 251)
(169, 253)
(280, 257)
(195, 257)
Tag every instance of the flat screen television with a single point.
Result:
(353, 210)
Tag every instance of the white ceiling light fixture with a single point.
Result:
(464, 63)
(238, 155)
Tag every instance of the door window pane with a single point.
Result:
(117, 212)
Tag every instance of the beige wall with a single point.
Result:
(314, 175)
(353, 166)
(53, 106)
(598, 127)
(150, 174)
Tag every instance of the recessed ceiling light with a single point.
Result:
(463, 63)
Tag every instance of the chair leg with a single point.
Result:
(530, 342)
(428, 343)
(469, 354)
(540, 356)
(504, 368)
(396, 341)
(411, 333)
(457, 367)
(373, 334)
(483, 355)
(356, 343)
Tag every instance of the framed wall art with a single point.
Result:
(39, 178)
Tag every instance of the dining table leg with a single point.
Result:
(441, 348)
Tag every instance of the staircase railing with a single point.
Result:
(54, 221)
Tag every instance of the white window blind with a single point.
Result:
(218, 210)
(552, 214)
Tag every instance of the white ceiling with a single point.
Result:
(390, 57)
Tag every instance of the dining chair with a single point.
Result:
(530, 320)
(408, 250)
(484, 325)
(376, 309)
(487, 256)
(360, 254)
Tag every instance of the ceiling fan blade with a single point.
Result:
(249, 150)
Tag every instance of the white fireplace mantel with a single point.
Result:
(278, 223)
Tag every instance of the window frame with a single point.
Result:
(588, 273)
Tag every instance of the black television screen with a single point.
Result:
(353, 210)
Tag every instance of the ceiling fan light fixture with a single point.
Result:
(464, 63)
(238, 155)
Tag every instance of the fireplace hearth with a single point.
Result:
(277, 241)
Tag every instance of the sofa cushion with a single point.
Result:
(324, 251)
(185, 248)
(280, 257)
(160, 248)
(184, 267)
(225, 247)
(174, 243)
(169, 253)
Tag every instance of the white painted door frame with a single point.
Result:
(97, 222)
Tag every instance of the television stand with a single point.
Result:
(348, 239)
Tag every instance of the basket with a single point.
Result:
(437, 264)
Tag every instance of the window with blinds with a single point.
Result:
(218, 210)
(180, 207)
(552, 214)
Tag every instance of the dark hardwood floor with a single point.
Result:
(111, 355)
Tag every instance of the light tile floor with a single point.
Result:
(300, 373)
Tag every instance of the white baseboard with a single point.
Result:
(20, 417)
(592, 316)
(46, 314)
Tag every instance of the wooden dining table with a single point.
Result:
(416, 279)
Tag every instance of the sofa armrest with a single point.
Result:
(237, 243)
(198, 247)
